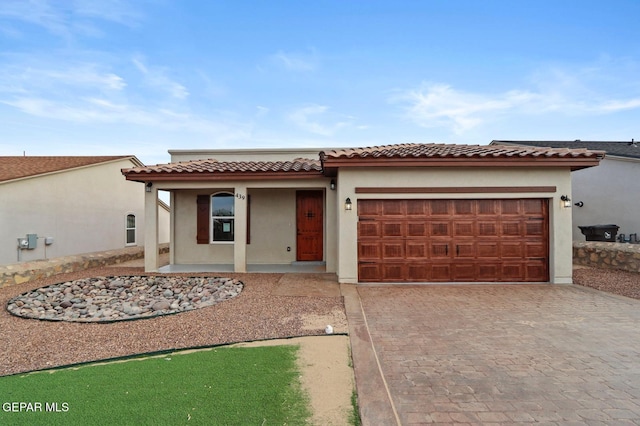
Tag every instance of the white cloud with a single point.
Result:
(66, 18)
(100, 111)
(261, 111)
(309, 118)
(617, 105)
(441, 105)
(157, 78)
(296, 61)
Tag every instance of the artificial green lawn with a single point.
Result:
(222, 386)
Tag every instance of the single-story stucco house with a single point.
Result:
(396, 213)
(606, 194)
(56, 206)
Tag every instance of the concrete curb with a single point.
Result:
(374, 401)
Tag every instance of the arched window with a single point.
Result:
(222, 217)
(130, 229)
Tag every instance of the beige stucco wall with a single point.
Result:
(610, 196)
(560, 238)
(185, 248)
(83, 210)
(273, 226)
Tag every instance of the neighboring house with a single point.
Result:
(609, 192)
(396, 213)
(67, 205)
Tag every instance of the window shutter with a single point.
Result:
(202, 222)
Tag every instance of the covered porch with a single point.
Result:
(278, 217)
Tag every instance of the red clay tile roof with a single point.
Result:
(211, 167)
(21, 167)
(450, 155)
(401, 155)
(416, 150)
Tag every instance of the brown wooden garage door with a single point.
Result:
(453, 240)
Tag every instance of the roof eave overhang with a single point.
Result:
(229, 176)
(575, 163)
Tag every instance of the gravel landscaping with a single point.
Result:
(121, 298)
(613, 281)
(255, 314)
(260, 311)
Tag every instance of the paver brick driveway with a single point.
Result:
(505, 354)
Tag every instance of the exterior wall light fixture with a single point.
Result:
(332, 185)
(148, 186)
(566, 201)
(579, 204)
(347, 204)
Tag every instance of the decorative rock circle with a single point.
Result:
(109, 299)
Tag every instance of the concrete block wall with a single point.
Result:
(19, 273)
(605, 255)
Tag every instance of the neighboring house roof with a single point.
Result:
(401, 155)
(17, 167)
(212, 169)
(617, 149)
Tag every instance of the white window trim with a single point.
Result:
(126, 229)
(211, 219)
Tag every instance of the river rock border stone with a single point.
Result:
(120, 298)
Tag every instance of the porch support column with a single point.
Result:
(151, 230)
(240, 230)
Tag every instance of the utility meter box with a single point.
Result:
(32, 240)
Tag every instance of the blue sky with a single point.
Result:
(105, 77)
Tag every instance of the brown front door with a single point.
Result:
(309, 225)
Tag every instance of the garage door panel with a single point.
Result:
(463, 229)
(511, 228)
(394, 208)
(417, 249)
(418, 272)
(417, 208)
(453, 240)
(440, 272)
(369, 272)
(464, 271)
(512, 249)
(368, 208)
(488, 229)
(369, 228)
(393, 272)
(537, 271)
(439, 228)
(488, 207)
(465, 249)
(440, 208)
(393, 250)
(439, 250)
(370, 250)
(488, 271)
(535, 249)
(417, 229)
(393, 229)
(512, 271)
(534, 227)
(533, 207)
(510, 207)
(488, 250)
(463, 208)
